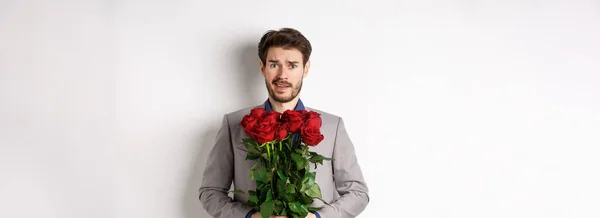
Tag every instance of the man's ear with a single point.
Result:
(262, 67)
(306, 68)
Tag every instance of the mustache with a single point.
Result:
(280, 80)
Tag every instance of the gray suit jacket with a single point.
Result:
(341, 180)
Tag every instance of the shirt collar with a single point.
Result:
(299, 106)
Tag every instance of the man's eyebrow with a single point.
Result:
(277, 61)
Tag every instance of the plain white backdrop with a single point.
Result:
(458, 109)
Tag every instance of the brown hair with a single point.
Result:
(285, 38)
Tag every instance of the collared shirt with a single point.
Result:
(299, 106)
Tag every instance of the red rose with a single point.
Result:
(281, 131)
(315, 122)
(258, 112)
(311, 135)
(293, 120)
(302, 112)
(313, 119)
(263, 132)
(311, 114)
(250, 120)
(271, 118)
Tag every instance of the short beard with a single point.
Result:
(285, 99)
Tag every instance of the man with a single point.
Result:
(284, 62)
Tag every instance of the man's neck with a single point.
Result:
(281, 107)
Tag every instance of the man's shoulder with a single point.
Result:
(238, 115)
(325, 116)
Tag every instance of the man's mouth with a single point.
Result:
(282, 84)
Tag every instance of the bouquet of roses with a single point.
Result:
(279, 143)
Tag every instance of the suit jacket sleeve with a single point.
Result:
(217, 178)
(349, 181)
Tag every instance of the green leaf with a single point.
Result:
(313, 209)
(269, 195)
(290, 188)
(262, 187)
(253, 199)
(316, 159)
(319, 158)
(282, 175)
(299, 151)
(260, 174)
(252, 156)
(303, 164)
(305, 199)
(294, 175)
(252, 146)
(299, 160)
(303, 210)
(288, 194)
(266, 209)
(254, 168)
(262, 193)
(282, 156)
(286, 197)
(299, 208)
(256, 163)
(309, 179)
(278, 207)
(296, 157)
(239, 192)
(295, 207)
(280, 186)
(314, 191)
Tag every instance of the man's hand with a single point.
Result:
(257, 215)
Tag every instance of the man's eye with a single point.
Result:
(294, 66)
(274, 65)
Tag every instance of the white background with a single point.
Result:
(461, 109)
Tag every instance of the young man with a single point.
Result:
(284, 62)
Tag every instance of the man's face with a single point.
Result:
(283, 72)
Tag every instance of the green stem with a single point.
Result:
(269, 152)
(305, 149)
(280, 145)
(272, 184)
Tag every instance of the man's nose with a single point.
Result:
(283, 73)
